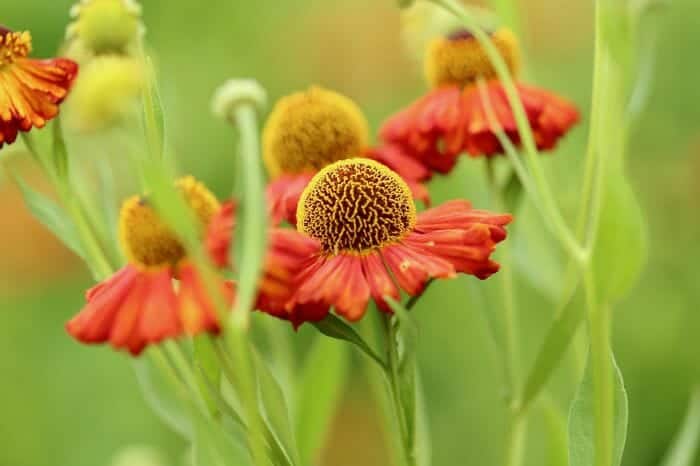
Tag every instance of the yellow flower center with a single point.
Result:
(356, 206)
(459, 59)
(14, 45)
(309, 130)
(106, 26)
(147, 241)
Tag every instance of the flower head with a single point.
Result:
(106, 26)
(366, 240)
(452, 118)
(458, 59)
(139, 305)
(310, 130)
(30, 90)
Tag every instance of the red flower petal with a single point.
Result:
(283, 196)
(196, 307)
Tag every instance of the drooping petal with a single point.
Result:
(411, 170)
(220, 234)
(283, 196)
(197, 308)
(30, 93)
(413, 268)
(380, 282)
(549, 115)
(336, 281)
(130, 310)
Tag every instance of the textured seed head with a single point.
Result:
(459, 59)
(147, 241)
(309, 130)
(356, 206)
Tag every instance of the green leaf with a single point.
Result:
(51, 216)
(422, 448)
(581, 414)
(557, 440)
(333, 327)
(684, 449)
(161, 395)
(320, 386)
(621, 247)
(552, 351)
(213, 446)
(275, 408)
(153, 115)
(209, 373)
(513, 192)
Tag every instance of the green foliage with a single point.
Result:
(684, 449)
(51, 216)
(334, 327)
(581, 416)
(320, 385)
(213, 446)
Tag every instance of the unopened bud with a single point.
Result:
(105, 92)
(235, 93)
(106, 26)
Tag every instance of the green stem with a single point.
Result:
(184, 367)
(395, 392)
(516, 430)
(553, 215)
(602, 371)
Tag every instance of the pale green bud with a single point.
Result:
(236, 92)
(106, 26)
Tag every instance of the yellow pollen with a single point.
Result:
(308, 130)
(356, 206)
(14, 45)
(460, 59)
(147, 241)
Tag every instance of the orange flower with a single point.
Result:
(307, 131)
(452, 118)
(30, 90)
(363, 239)
(285, 258)
(139, 305)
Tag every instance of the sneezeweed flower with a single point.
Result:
(30, 90)
(309, 130)
(452, 118)
(105, 26)
(367, 241)
(106, 92)
(285, 258)
(139, 305)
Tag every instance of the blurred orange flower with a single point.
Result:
(30, 90)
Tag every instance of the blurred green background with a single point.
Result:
(66, 405)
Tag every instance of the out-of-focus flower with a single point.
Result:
(30, 90)
(452, 118)
(106, 91)
(105, 26)
(365, 238)
(139, 305)
(285, 258)
(236, 92)
(310, 130)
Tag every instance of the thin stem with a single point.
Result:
(602, 371)
(516, 430)
(186, 371)
(395, 393)
(413, 300)
(553, 214)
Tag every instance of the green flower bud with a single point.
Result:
(106, 91)
(237, 92)
(106, 26)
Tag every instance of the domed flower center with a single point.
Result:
(14, 45)
(459, 59)
(106, 26)
(147, 241)
(309, 130)
(356, 206)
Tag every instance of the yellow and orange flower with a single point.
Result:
(359, 237)
(139, 305)
(30, 90)
(307, 131)
(452, 118)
